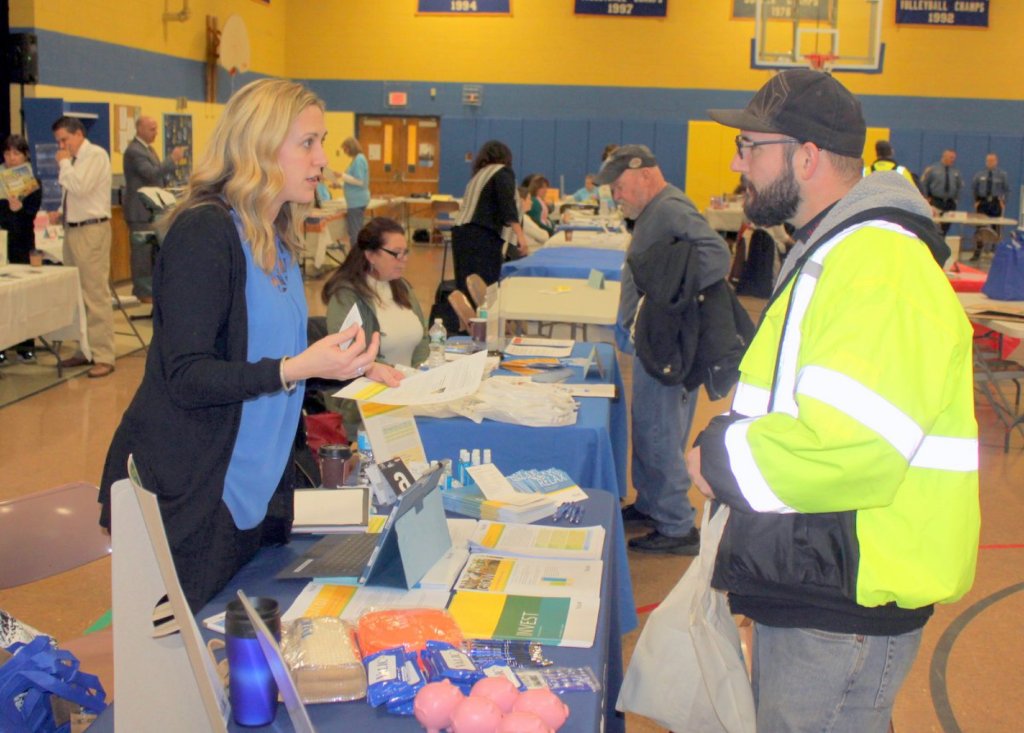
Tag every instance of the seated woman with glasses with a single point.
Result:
(371, 278)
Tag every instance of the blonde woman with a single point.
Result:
(212, 425)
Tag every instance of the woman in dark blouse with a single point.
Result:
(213, 424)
(488, 220)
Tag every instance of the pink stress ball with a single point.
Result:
(545, 704)
(476, 715)
(499, 690)
(435, 704)
(522, 722)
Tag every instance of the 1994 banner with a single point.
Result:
(465, 7)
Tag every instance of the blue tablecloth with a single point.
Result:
(605, 657)
(593, 451)
(570, 262)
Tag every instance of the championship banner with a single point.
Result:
(464, 7)
(784, 9)
(943, 12)
(633, 9)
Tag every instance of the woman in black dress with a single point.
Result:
(488, 220)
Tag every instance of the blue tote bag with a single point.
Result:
(1006, 276)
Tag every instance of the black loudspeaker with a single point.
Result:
(23, 64)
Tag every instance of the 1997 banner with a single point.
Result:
(623, 8)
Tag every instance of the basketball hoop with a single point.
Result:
(820, 61)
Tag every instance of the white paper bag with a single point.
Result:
(687, 671)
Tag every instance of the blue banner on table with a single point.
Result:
(634, 9)
(943, 12)
(465, 7)
(783, 9)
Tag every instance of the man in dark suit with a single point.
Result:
(142, 167)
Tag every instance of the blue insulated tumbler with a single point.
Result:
(252, 689)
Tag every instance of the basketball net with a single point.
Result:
(820, 61)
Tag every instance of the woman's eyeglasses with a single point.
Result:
(400, 256)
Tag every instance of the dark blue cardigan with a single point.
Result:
(182, 424)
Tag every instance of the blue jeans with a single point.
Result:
(661, 417)
(810, 681)
(353, 223)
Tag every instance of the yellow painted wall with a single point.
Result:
(139, 24)
(710, 149)
(697, 46)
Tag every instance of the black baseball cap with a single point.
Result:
(625, 157)
(808, 105)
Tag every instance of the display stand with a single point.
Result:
(166, 682)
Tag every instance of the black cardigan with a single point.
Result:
(182, 424)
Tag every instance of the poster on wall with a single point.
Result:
(784, 9)
(178, 131)
(631, 9)
(464, 7)
(124, 125)
(943, 12)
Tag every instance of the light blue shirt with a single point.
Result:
(277, 327)
(358, 197)
(587, 194)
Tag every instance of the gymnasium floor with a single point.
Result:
(967, 676)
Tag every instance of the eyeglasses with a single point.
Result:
(400, 256)
(744, 143)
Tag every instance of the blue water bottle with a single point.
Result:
(252, 689)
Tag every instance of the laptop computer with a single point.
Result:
(414, 537)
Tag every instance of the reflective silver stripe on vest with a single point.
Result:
(947, 454)
(750, 401)
(753, 485)
(865, 406)
(878, 414)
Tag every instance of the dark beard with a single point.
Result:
(775, 203)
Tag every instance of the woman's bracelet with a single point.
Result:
(285, 385)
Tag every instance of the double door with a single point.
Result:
(403, 153)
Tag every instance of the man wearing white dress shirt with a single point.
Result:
(85, 179)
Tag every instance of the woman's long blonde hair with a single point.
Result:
(240, 165)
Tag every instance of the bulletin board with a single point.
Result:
(178, 132)
(124, 125)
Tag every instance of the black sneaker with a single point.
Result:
(656, 542)
(632, 515)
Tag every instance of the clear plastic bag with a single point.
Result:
(324, 660)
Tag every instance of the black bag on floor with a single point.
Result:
(443, 309)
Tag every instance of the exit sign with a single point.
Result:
(398, 99)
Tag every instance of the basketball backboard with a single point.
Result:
(831, 35)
